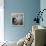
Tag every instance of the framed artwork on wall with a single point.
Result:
(17, 19)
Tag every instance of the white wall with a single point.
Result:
(1, 21)
(43, 6)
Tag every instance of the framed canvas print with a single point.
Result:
(17, 19)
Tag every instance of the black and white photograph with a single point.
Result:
(18, 18)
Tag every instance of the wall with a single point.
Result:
(43, 6)
(28, 7)
(1, 21)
